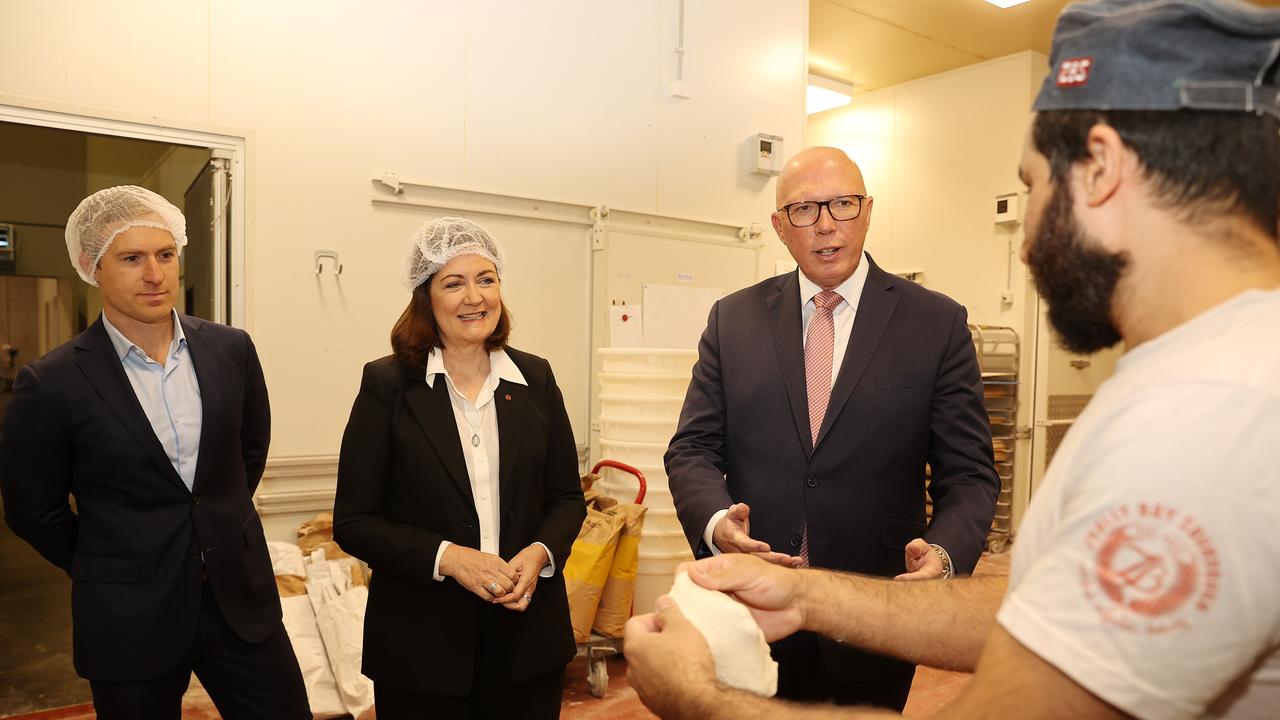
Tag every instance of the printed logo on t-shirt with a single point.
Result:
(1151, 568)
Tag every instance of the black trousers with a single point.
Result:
(244, 680)
(494, 693)
(803, 677)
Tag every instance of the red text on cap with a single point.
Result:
(1074, 72)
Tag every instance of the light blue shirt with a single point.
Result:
(169, 395)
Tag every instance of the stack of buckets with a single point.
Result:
(641, 392)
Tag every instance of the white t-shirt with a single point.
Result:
(1148, 565)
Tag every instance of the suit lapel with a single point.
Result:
(433, 411)
(206, 359)
(784, 322)
(512, 403)
(98, 361)
(875, 308)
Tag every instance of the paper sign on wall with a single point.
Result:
(676, 315)
(626, 326)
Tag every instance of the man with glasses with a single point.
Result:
(1143, 583)
(818, 398)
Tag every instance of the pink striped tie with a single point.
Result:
(818, 348)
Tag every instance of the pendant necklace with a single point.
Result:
(475, 432)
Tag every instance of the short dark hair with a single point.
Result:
(1201, 163)
(415, 334)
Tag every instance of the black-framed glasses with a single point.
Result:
(841, 208)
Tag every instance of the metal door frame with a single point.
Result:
(229, 144)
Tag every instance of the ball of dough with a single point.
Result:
(741, 653)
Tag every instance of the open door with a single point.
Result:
(205, 259)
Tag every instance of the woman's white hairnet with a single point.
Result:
(439, 241)
(101, 217)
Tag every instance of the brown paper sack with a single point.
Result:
(291, 585)
(620, 589)
(587, 569)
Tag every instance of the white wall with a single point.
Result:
(559, 100)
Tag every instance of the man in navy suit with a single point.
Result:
(158, 425)
(817, 399)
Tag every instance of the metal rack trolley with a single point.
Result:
(998, 351)
(599, 648)
(999, 355)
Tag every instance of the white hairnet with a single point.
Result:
(439, 241)
(101, 217)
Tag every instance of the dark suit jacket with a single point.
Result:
(403, 488)
(908, 392)
(133, 544)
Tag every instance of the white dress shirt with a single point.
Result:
(478, 432)
(842, 315)
(169, 395)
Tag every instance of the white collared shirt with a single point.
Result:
(842, 315)
(478, 433)
(169, 395)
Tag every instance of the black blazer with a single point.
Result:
(403, 488)
(908, 392)
(133, 544)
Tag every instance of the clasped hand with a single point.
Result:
(492, 579)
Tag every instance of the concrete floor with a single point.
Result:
(35, 632)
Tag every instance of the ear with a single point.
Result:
(867, 202)
(1107, 166)
(776, 220)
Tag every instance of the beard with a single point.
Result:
(1075, 278)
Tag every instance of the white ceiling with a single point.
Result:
(878, 43)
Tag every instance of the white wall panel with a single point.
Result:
(744, 70)
(561, 100)
(558, 100)
(148, 57)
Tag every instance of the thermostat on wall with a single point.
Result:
(1007, 208)
(768, 154)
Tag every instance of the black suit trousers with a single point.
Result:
(244, 680)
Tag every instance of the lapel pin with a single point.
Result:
(508, 397)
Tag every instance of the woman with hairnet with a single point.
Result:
(458, 484)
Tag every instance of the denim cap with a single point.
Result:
(1164, 55)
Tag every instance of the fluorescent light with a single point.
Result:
(1006, 3)
(824, 94)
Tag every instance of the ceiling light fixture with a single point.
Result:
(824, 93)
(1006, 3)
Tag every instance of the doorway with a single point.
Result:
(48, 163)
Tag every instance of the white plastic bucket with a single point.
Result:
(654, 574)
(653, 475)
(642, 406)
(630, 452)
(657, 497)
(653, 386)
(637, 429)
(648, 361)
(659, 542)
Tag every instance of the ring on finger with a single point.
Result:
(527, 597)
(493, 587)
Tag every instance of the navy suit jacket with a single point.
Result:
(908, 393)
(134, 543)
